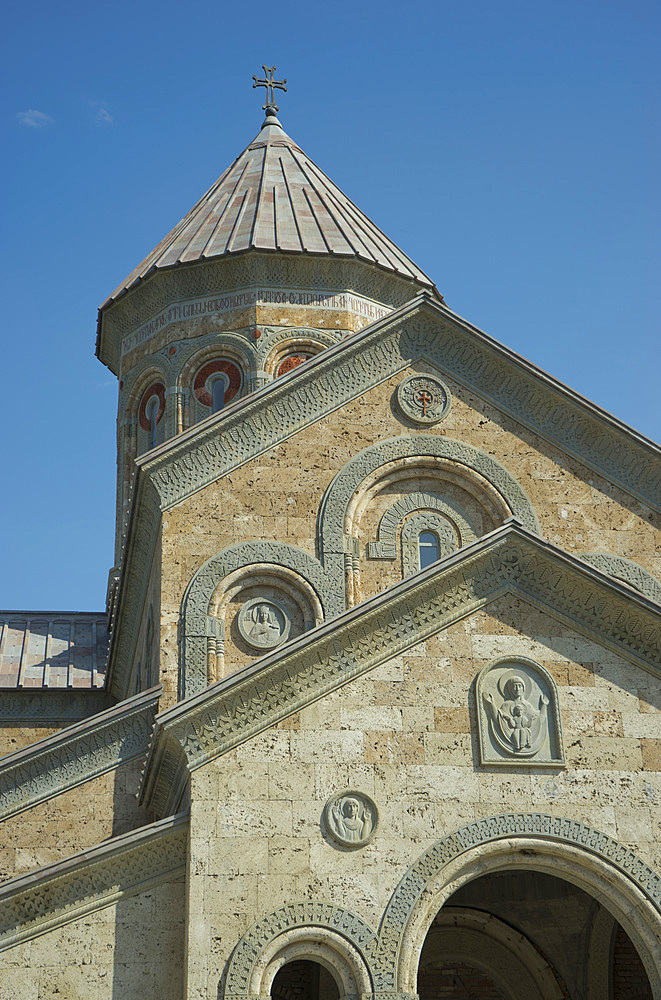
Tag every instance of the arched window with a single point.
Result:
(218, 386)
(292, 361)
(152, 417)
(150, 414)
(216, 383)
(428, 548)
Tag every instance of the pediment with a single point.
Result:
(509, 560)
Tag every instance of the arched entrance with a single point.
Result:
(304, 980)
(527, 877)
(527, 935)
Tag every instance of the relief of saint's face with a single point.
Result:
(263, 623)
(350, 819)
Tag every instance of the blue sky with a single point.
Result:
(510, 148)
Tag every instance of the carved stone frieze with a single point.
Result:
(50, 706)
(77, 754)
(421, 328)
(124, 866)
(518, 714)
(334, 504)
(624, 569)
(509, 559)
(312, 914)
(381, 952)
(428, 867)
(385, 546)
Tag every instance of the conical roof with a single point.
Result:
(273, 197)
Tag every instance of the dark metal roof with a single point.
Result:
(273, 197)
(53, 649)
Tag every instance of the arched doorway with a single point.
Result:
(528, 935)
(304, 980)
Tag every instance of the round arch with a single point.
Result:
(612, 874)
(318, 932)
(197, 621)
(480, 940)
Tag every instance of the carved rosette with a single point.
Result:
(425, 399)
(351, 818)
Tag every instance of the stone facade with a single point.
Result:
(382, 710)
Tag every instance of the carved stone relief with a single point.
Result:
(627, 571)
(424, 399)
(264, 623)
(351, 818)
(518, 714)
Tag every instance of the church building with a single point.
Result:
(373, 710)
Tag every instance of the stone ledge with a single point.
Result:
(123, 866)
(78, 753)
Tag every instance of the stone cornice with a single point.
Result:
(508, 560)
(81, 752)
(124, 866)
(51, 707)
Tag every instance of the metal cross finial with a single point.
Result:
(270, 85)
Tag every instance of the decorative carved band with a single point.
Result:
(311, 914)
(127, 865)
(539, 825)
(509, 559)
(51, 707)
(624, 569)
(77, 754)
(381, 952)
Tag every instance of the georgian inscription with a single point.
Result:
(518, 714)
(351, 818)
(214, 305)
(264, 623)
(423, 398)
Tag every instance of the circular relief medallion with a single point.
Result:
(351, 818)
(263, 623)
(423, 398)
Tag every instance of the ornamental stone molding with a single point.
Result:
(385, 546)
(77, 754)
(123, 866)
(333, 508)
(195, 617)
(314, 916)
(382, 952)
(421, 328)
(142, 312)
(427, 872)
(51, 707)
(624, 569)
(508, 560)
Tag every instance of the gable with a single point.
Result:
(509, 560)
(323, 413)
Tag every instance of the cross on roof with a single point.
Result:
(270, 85)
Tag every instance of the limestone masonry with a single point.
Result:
(374, 707)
